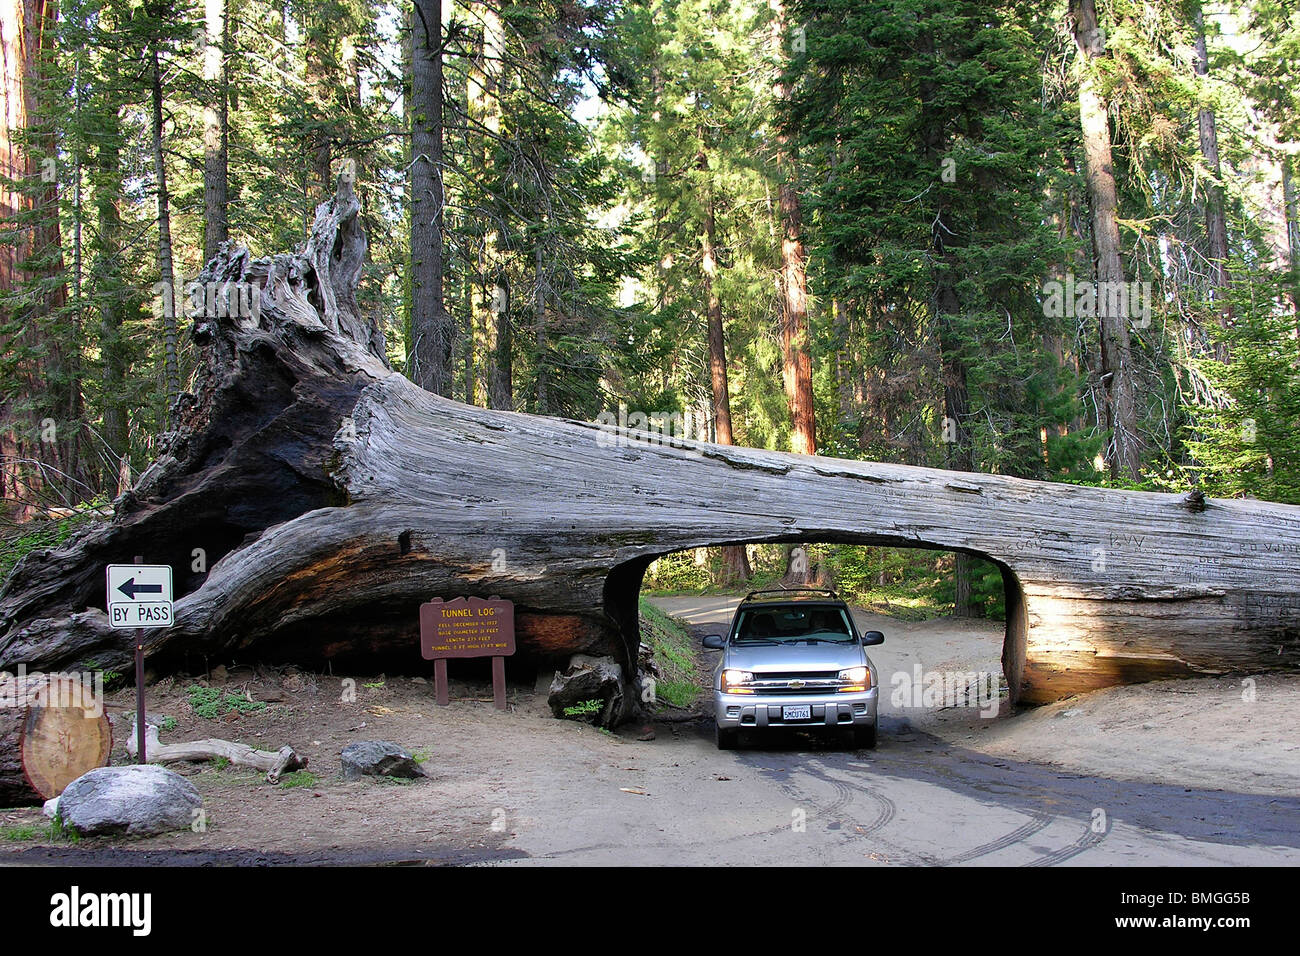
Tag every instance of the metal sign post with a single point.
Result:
(139, 597)
(139, 687)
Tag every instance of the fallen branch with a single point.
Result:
(274, 763)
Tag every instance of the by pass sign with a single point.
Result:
(467, 627)
(139, 595)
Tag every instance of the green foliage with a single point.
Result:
(1246, 442)
(211, 702)
(620, 128)
(18, 541)
(912, 583)
(58, 832)
(53, 832)
(585, 708)
(21, 833)
(299, 778)
(928, 233)
(673, 648)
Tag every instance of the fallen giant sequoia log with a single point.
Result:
(331, 496)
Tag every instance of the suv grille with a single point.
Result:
(796, 682)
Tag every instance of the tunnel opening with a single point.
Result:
(927, 652)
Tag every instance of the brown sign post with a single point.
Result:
(468, 627)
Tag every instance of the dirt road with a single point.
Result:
(522, 788)
(921, 797)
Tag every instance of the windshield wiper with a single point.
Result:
(756, 640)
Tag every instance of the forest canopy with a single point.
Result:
(1053, 240)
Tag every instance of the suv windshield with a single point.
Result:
(791, 625)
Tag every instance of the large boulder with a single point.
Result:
(378, 758)
(139, 800)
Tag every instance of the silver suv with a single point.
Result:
(794, 659)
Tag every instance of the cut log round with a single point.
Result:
(52, 730)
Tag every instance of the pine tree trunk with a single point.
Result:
(320, 92)
(1291, 213)
(539, 333)
(735, 561)
(1124, 452)
(48, 370)
(489, 315)
(112, 344)
(1216, 226)
(166, 270)
(796, 360)
(215, 129)
(432, 329)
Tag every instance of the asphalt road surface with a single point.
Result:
(915, 799)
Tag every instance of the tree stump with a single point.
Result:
(52, 730)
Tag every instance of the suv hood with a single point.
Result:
(795, 657)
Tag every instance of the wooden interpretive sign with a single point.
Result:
(468, 627)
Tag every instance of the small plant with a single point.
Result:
(57, 832)
(376, 685)
(420, 756)
(209, 702)
(111, 678)
(299, 778)
(168, 723)
(584, 708)
(678, 693)
(19, 833)
(220, 763)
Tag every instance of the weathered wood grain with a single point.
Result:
(52, 730)
(332, 497)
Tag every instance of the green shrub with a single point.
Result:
(210, 702)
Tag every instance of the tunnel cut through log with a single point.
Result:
(623, 588)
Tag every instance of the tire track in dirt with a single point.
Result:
(1081, 845)
(1018, 835)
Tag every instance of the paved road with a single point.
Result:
(916, 799)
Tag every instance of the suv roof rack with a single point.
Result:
(790, 593)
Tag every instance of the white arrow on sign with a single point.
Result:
(139, 595)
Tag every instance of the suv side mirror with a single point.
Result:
(714, 643)
(872, 637)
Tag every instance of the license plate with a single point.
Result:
(803, 712)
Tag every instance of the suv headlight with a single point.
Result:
(855, 679)
(733, 681)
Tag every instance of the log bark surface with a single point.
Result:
(332, 497)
